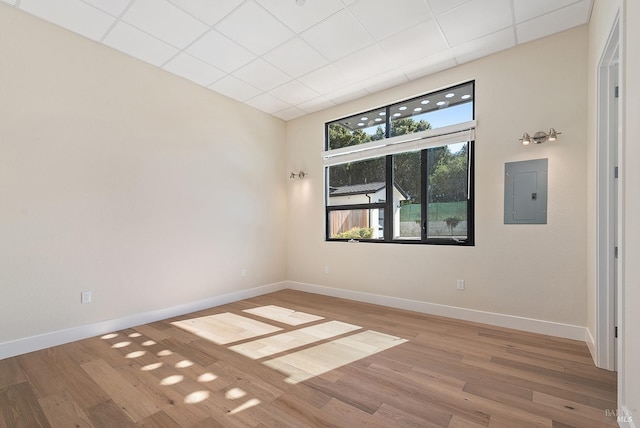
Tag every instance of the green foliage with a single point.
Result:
(356, 233)
(448, 179)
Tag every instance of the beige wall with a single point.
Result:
(630, 376)
(119, 178)
(535, 271)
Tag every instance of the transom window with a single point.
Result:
(404, 172)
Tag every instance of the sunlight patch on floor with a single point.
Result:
(308, 363)
(272, 345)
(283, 315)
(225, 328)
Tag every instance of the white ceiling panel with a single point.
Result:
(165, 21)
(326, 79)
(193, 69)
(209, 11)
(338, 36)
(235, 88)
(139, 44)
(296, 57)
(112, 7)
(267, 102)
(527, 9)
(262, 75)
(475, 19)
(251, 26)
(431, 64)
(383, 19)
(294, 92)
(220, 51)
(441, 6)
(73, 15)
(299, 18)
(484, 46)
(414, 43)
(384, 81)
(365, 63)
(289, 59)
(289, 113)
(559, 20)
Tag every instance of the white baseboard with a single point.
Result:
(55, 338)
(591, 344)
(567, 331)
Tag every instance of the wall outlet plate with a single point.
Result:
(460, 284)
(85, 297)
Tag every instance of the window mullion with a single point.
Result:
(423, 189)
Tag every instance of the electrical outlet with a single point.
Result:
(326, 269)
(85, 297)
(460, 284)
(243, 272)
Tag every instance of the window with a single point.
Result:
(404, 172)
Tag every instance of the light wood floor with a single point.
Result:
(292, 359)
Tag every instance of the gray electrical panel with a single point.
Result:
(525, 192)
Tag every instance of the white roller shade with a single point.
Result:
(459, 133)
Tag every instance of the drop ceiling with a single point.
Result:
(289, 59)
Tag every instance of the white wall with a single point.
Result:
(535, 271)
(119, 178)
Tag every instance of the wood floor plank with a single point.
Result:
(20, 407)
(232, 366)
(62, 411)
(121, 392)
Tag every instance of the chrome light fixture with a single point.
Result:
(539, 137)
(300, 174)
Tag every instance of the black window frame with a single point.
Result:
(387, 205)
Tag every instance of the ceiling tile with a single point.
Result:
(554, 22)
(294, 92)
(527, 9)
(338, 36)
(347, 93)
(462, 24)
(384, 80)
(431, 64)
(484, 46)
(207, 10)
(289, 113)
(220, 51)
(316, 104)
(164, 21)
(364, 63)
(73, 15)
(414, 43)
(441, 6)
(112, 7)
(296, 57)
(267, 103)
(381, 19)
(299, 18)
(326, 79)
(254, 28)
(193, 69)
(262, 75)
(139, 44)
(234, 88)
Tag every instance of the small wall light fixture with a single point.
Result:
(539, 137)
(299, 174)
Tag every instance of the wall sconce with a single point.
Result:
(300, 174)
(539, 137)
